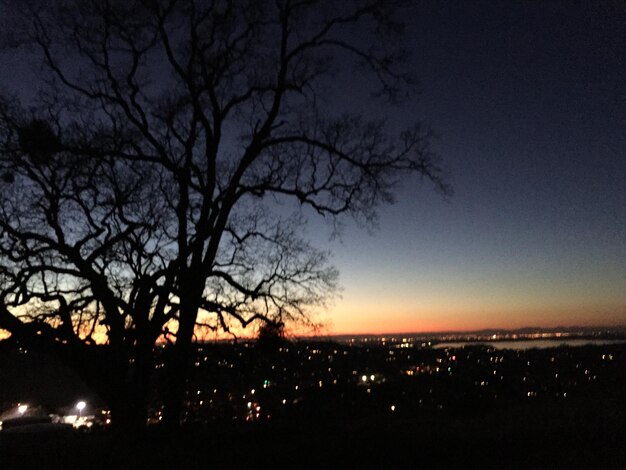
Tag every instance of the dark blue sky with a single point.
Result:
(529, 102)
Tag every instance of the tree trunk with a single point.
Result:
(129, 404)
(128, 413)
(177, 374)
(124, 384)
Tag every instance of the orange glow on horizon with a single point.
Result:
(401, 319)
(424, 321)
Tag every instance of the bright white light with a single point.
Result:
(372, 377)
(364, 378)
(393, 407)
(80, 406)
(22, 409)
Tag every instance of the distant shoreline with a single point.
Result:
(538, 343)
(502, 334)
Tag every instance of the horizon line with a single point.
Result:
(621, 326)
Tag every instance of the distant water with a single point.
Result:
(529, 344)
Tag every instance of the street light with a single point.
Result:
(22, 408)
(80, 406)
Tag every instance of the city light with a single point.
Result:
(22, 409)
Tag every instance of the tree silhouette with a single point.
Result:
(270, 337)
(141, 187)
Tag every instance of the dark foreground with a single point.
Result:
(587, 434)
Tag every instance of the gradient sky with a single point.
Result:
(529, 103)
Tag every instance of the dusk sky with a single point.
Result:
(528, 100)
(529, 104)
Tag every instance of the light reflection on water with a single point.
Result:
(529, 344)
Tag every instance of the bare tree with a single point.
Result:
(139, 189)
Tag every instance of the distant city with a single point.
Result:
(490, 335)
(400, 373)
(560, 393)
(344, 376)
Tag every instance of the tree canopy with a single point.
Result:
(141, 185)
